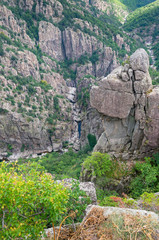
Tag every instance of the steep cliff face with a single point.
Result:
(46, 48)
(51, 53)
(128, 104)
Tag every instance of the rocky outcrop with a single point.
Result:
(48, 65)
(50, 40)
(87, 187)
(107, 211)
(128, 105)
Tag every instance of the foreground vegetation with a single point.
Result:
(31, 200)
(116, 226)
(107, 173)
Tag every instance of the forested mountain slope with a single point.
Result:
(51, 52)
(144, 22)
(133, 4)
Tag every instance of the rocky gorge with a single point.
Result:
(49, 61)
(79, 119)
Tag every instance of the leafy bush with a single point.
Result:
(109, 201)
(1, 49)
(3, 111)
(146, 178)
(66, 165)
(56, 103)
(150, 201)
(99, 164)
(29, 199)
(92, 141)
(107, 173)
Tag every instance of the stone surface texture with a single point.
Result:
(129, 109)
(87, 187)
(115, 210)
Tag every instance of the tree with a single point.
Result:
(29, 200)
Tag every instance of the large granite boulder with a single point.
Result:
(128, 104)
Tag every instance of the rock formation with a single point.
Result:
(87, 187)
(129, 108)
(34, 52)
(47, 49)
(107, 211)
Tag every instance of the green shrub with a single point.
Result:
(99, 164)
(3, 111)
(92, 141)
(56, 103)
(1, 49)
(146, 178)
(29, 199)
(61, 165)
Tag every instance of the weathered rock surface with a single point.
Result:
(42, 58)
(50, 40)
(107, 211)
(87, 187)
(128, 105)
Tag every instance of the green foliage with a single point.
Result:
(3, 39)
(66, 165)
(92, 141)
(95, 57)
(29, 199)
(22, 147)
(108, 201)
(144, 16)
(74, 204)
(133, 4)
(100, 164)
(83, 97)
(150, 201)
(11, 99)
(31, 18)
(156, 54)
(56, 103)
(106, 172)
(45, 86)
(147, 177)
(101, 194)
(3, 111)
(155, 76)
(14, 58)
(1, 49)
(66, 71)
(83, 59)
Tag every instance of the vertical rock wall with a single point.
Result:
(129, 108)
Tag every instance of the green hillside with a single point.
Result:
(144, 21)
(133, 4)
(143, 16)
